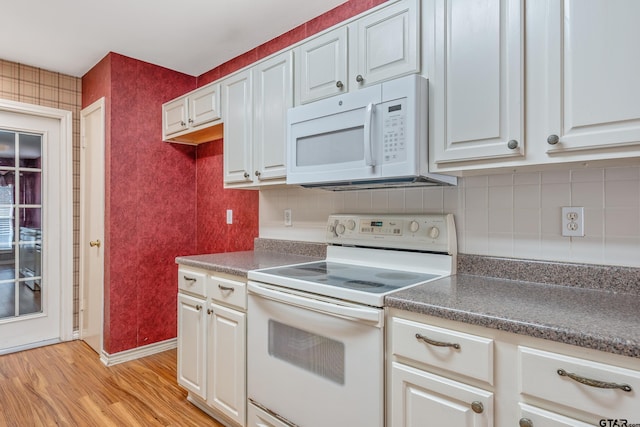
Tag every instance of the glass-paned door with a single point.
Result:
(21, 281)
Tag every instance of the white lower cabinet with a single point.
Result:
(530, 416)
(226, 367)
(430, 372)
(192, 336)
(212, 343)
(419, 398)
(441, 372)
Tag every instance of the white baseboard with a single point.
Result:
(136, 353)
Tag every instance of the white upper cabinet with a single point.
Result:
(321, 66)
(204, 105)
(238, 127)
(385, 44)
(273, 96)
(475, 63)
(193, 118)
(255, 117)
(376, 47)
(588, 85)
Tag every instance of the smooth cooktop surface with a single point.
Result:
(349, 277)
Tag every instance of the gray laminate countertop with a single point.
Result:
(597, 319)
(239, 263)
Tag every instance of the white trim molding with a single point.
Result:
(138, 352)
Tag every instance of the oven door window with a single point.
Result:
(312, 352)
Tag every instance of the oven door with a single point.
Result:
(314, 362)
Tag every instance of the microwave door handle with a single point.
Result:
(368, 151)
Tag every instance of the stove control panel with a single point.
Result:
(429, 233)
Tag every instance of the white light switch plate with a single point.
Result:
(229, 216)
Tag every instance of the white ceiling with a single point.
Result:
(190, 36)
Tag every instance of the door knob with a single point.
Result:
(94, 243)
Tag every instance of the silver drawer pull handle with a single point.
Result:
(438, 343)
(226, 288)
(198, 307)
(189, 279)
(594, 383)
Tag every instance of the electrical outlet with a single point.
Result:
(287, 218)
(573, 221)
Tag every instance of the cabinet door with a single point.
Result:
(385, 44)
(191, 344)
(476, 79)
(227, 362)
(592, 86)
(174, 116)
(541, 418)
(204, 105)
(422, 399)
(273, 96)
(321, 66)
(237, 113)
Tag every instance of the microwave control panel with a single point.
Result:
(394, 122)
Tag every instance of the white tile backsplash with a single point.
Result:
(512, 215)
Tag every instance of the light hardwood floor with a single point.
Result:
(67, 385)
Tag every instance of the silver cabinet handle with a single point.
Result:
(226, 288)
(189, 279)
(198, 307)
(553, 139)
(257, 173)
(594, 383)
(477, 407)
(359, 78)
(525, 422)
(209, 311)
(190, 120)
(339, 84)
(246, 175)
(183, 124)
(437, 343)
(512, 144)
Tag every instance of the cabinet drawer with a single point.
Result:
(542, 418)
(191, 280)
(229, 292)
(472, 355)
(540, 377)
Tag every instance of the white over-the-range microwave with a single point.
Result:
(375, 137)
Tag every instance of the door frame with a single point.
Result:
(66, 210)
(98, 105)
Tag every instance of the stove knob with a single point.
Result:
(414, 226)
(434, 232)
(340, 228)
(351, 224)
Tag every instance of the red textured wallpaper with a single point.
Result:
(214, 234)
(150, 200)
(167, 200)
(334, 16)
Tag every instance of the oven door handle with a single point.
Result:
(363, 314)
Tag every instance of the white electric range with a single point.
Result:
(316, 330)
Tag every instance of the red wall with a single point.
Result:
(150, 200)
(334, 16)
(166, 200)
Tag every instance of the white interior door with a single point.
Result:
(36, 226)
(92, 194)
